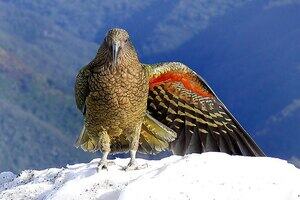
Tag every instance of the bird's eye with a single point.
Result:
(126, 40)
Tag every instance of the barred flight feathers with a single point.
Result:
(181, 100)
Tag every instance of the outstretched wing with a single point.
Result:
(182, 100)
(82, 88)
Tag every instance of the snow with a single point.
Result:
(196, 176)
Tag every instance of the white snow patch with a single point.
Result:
(196, 176)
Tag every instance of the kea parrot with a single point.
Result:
(131, 106)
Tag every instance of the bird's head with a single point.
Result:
(119, 46)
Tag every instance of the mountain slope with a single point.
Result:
(55, 145)
(42, 46)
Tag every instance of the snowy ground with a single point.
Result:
(206, 176)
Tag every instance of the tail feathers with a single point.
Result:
(80, 139)
(86, 142)
(155, 136)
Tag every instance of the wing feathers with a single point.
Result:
(82, 88)
(182, 101)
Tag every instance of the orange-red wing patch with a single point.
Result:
(185, 79)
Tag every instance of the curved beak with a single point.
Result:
(115, 52)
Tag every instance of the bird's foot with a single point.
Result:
(132, 165)
(103, 164)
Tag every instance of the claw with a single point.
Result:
(134, 166)
(104, 165)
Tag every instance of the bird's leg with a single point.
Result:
(104, 142)
(103, 162)
(132, 163)
(134, 145)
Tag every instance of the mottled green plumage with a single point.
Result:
(132, 106)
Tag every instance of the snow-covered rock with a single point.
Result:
(196, 176)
